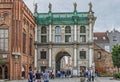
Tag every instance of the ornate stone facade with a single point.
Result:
(17, 28)
(64, 34)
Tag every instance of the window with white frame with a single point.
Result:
(43, 30)
(67, 38)
(82, 29)
(82, 54)
(57, 34)
(82, 38)
(57, 30)
(57, 38)
(3, 39)
(67, 29)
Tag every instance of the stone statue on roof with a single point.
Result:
(50, 6)
(35, 10)
(90, 7)
(75, 6)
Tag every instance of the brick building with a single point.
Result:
(103, 61)
(108, 39)
(17, 29)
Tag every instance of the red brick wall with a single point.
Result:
(103, 64)
(17, 11)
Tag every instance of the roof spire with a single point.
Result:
(90, 7)
(50, 6)
(75, 6)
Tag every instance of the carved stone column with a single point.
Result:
(50, 56)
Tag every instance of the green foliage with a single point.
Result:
(105, 75)
(1, 62)
(116, 55)
(117, 76)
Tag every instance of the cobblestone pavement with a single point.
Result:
(106, 79)
(53, 80)
(98, 79)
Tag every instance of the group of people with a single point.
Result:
(38, 77)
(87, 75)
(62, 74)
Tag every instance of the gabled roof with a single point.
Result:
(97, 47)
(101, 37)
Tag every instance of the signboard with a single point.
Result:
(4, 55)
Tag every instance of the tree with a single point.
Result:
(116, 56)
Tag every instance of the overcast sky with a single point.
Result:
(106, 11)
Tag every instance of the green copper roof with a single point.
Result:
(66, 18)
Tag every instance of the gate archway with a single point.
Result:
(58, 58)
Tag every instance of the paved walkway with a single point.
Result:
(53, 80)
(98, 79)
(106, 79)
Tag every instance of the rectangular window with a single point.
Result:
(114, 38)
(43, 39)
(58, 38)
(24, 43)
(67, 38)
(107, 48)
(82, 38)
(3, 39)
(43, 54)
(82, 54)
(30, 47)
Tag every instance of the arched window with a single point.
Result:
(82, 29)
(99, 55)
(3, 38)
(57, 30)
(67, 29)
(43, 30)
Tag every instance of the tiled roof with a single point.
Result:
(101, 37)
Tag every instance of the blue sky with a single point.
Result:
(106, 11)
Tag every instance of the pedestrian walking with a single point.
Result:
(30, 75)
(46, 76)
(38, 76)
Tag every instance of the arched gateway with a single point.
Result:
(64, 34)
(58, 61)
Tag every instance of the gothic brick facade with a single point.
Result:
(17, 29)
